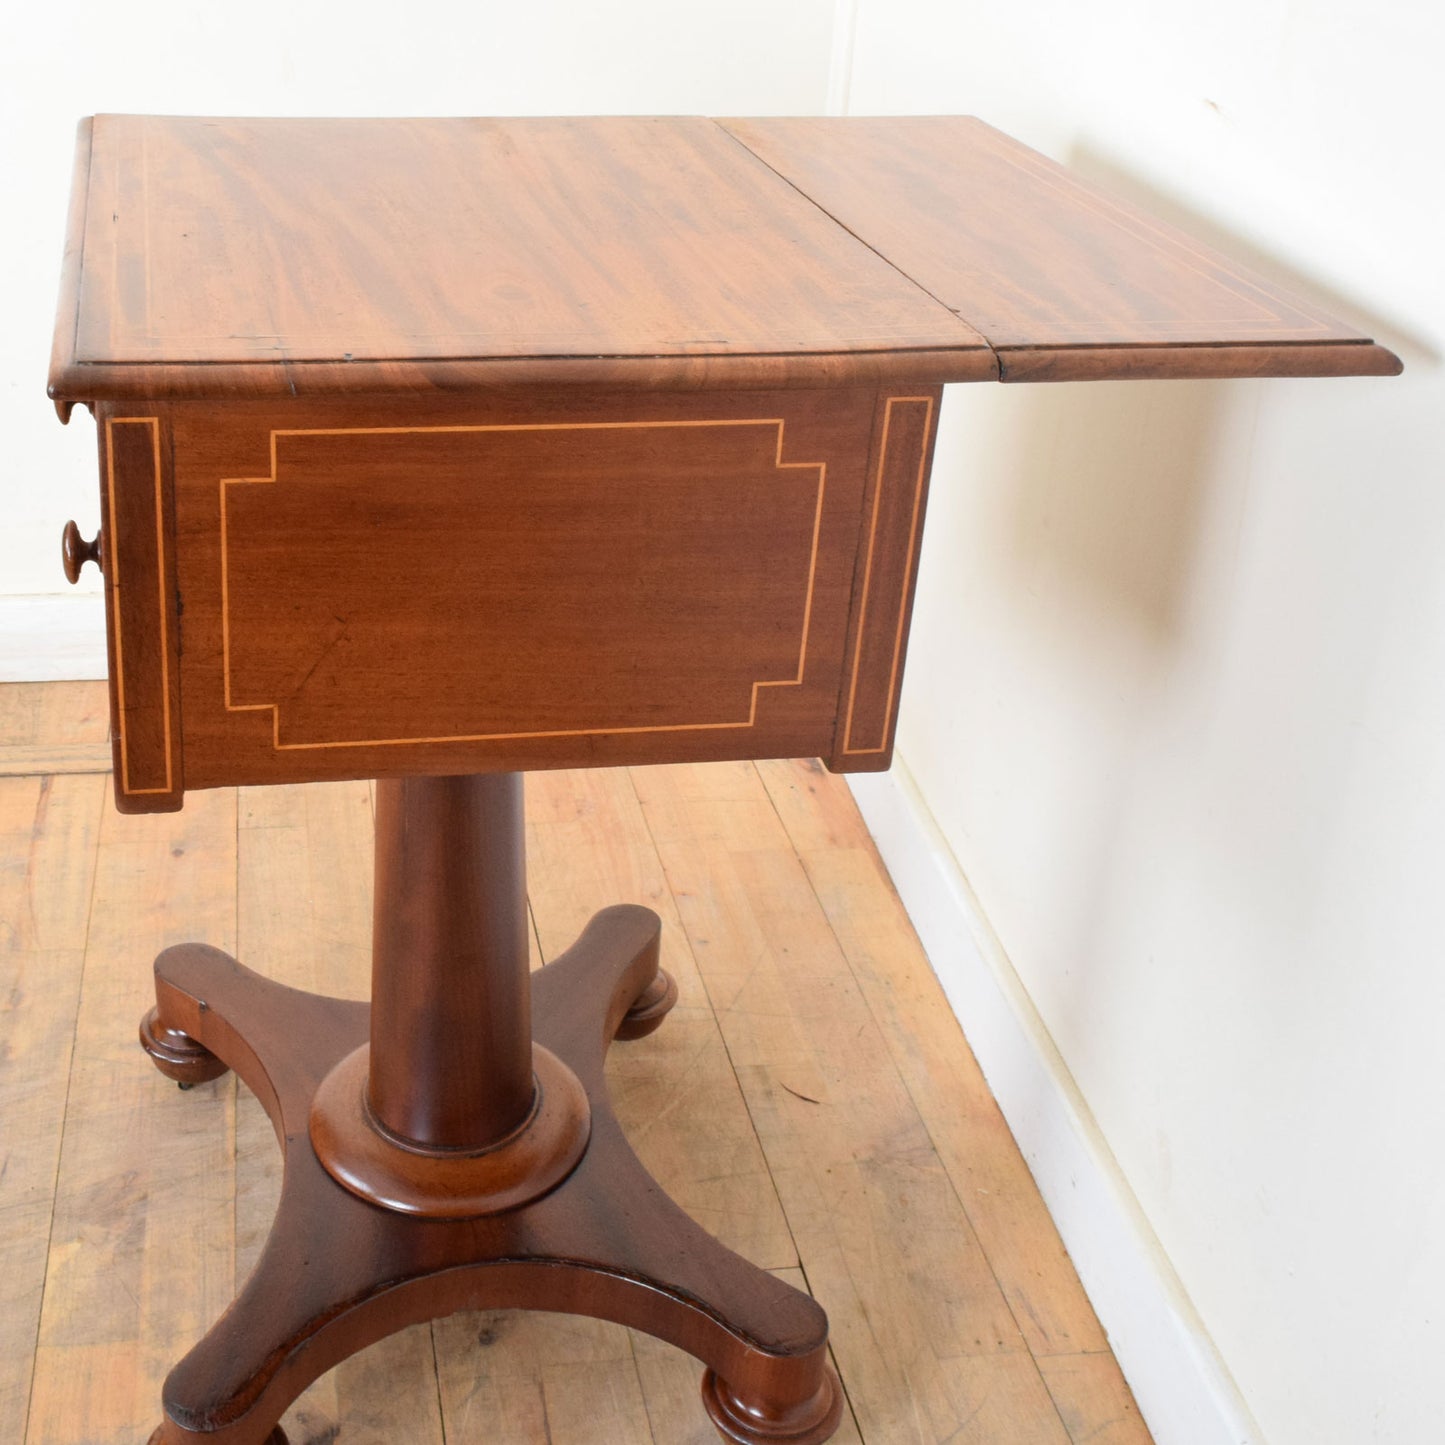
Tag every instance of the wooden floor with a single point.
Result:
(811, 1101)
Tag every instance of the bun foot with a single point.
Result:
(808, 1423)
(178, 1056)
(276, 1437)
(653, 1005)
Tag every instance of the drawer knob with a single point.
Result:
(75, 551)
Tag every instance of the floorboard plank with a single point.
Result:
(675, 1092)
(49, 728)
(21, 761)
(926, 1044)
(53, 714)
(1094, 1399)
(141, 1256)
(48, 832)
(513, 1378)
(920, 1328)
(304, 918)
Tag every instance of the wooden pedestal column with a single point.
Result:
(451, 1003)
(452, 1145)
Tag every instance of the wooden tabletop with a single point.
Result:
(215, 257)
(1065, 281)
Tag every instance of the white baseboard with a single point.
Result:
(1184, 1390)
(52, 637)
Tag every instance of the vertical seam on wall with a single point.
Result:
(841, 55)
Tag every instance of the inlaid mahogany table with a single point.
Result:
(437, 450)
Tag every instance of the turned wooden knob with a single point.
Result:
(75, 552)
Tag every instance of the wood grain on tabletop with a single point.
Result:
(414, 255)
(1055, 273)
(393, 250)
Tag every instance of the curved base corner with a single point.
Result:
(177, 1055)
(809, 1423)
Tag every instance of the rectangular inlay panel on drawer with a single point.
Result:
(568, 584)
(670, 563)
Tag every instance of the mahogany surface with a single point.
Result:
(339, 1272)
(451, 1109)
(451, 1043)
(509, 582)
(1065, 281)
(75, 552)
(294, 258)
(423, 254)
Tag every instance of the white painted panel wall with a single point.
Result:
(299, 57)
(1176, 697)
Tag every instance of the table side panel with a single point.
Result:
(141, 612)
(515, 583)
(885, 578)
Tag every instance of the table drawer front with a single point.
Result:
(499, 583)
(141, 619)
(620, 580)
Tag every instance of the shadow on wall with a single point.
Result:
(1110, 480)
(1102, 535)
(1105, 500)
(1093, 165)
(1167, 646)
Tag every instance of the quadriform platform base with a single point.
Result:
(439, 450)
(396, 1209)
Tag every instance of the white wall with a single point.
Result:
(1176, 697)
(297, 57)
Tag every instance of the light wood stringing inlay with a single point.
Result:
(112, 564)
(748, 722)
(927, 403)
